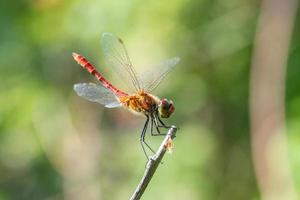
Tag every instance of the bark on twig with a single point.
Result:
(153, 163)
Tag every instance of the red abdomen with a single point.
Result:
(91, 69)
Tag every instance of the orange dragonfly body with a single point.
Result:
(141, 101)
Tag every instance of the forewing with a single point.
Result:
(152, 78)
(97, 93)
(117, 58)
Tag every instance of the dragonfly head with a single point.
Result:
(165, 108)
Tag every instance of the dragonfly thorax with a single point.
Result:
(141, 102)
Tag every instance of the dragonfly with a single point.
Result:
(140, 99)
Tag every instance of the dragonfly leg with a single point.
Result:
(154, 123)
(151, 127)
(142, 139)
(157, 126)
(162, 123)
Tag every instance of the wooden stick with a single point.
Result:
(153, 163)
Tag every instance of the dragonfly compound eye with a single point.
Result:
(165, 108)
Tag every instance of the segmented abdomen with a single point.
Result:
(89, 67)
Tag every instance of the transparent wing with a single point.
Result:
(117, 58)
(97, 93)
(151, 79)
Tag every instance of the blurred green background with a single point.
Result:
(56, 145)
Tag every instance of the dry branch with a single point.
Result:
(153, 163)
